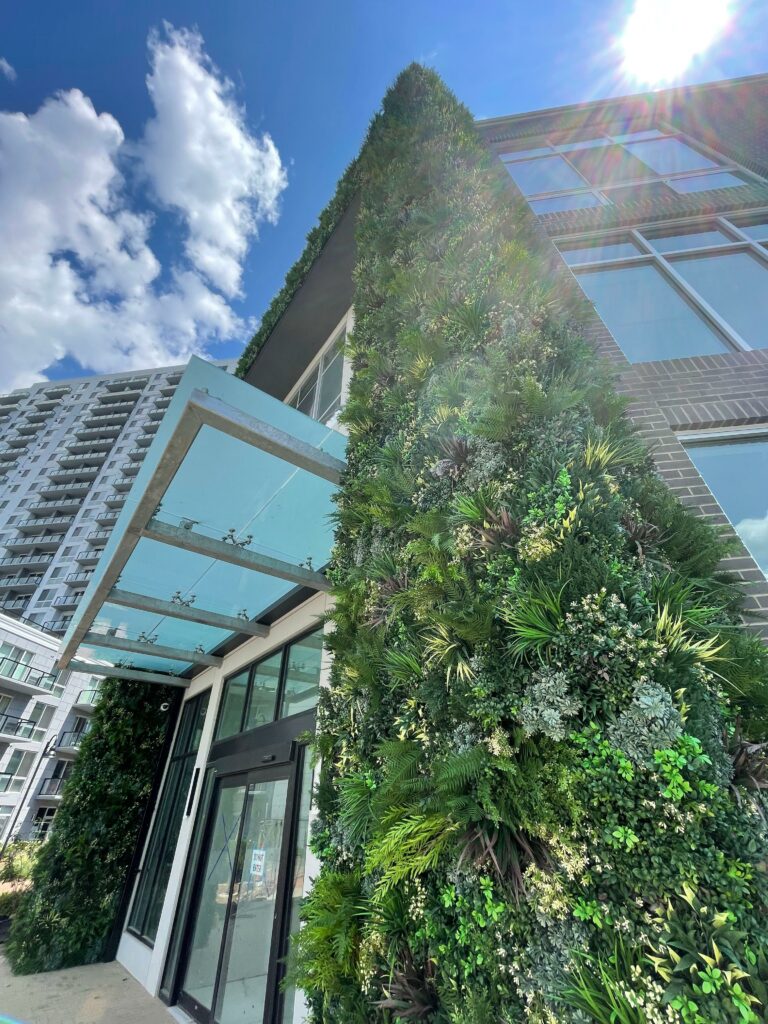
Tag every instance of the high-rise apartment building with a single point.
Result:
(68, 454)
(652, 208)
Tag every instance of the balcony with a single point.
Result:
(17, 441)
(85, 459)
(107, 517)
(70, 490)
(11, 454)
(20, 678)
(168, 389)
(63, 504)
(69, 742)
(129, 394)
(86, 700)
(12, 727)
(84, 433)
(136, 454)
(144, 440)
(116, 417)
(13, 398)
(67, 602)
(155, 415)
(21, 584)
(130, 468)
(14, 605)
(58, 524)
(57, 391)
(86, 473)
(36, 416)
(163, 402)
(57, 625)
(88, 447)
(150, 427)
(89, 557)
(26, 429)
(51, 787)
(77, 577)
(123, 483)
(38, 560)
(43, 542)
(97, 536)
(125, 385)
(115, 500)
(46, 403)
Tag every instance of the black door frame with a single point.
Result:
(270, 752)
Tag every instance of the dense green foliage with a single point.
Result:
(80, 873)
(537, 800)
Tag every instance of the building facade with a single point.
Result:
(68, 455)
(655, 212)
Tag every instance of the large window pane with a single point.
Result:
(705, 182)
(546, 174)
(329, 398)
(758, 231)
(688, 240)
(521, 154)
(232, 705)
(737, 474)
(669, 156)
(302, 678)
(572, 201)
(609, 165)
(592, 252)
(648, 318)
(735, 284)
(261, 706)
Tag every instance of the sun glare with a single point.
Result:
(662, 37)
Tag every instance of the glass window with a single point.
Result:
(156, 870)
(521, 154)
(646, 315)
(737, 474)
(758, 231)
(669, 156)
(565, 147)
(545, 174)
(653, 190)
(688, 240)
(608, 165)
(266, 679)
(591, 252)
(302, 675)
(329, 398)
(573, 201)
(735, 284)
(652, 133)
(705, 182)
(232, 705)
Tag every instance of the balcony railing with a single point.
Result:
(68, 601)
(71, 738)
(16, 604)
(86, 433)
(27, 560)
(51, 786)
(97, 536)
(89, 447)
(136, 454)
(115, 500)
(107, 517)
(126, 385)
(32, 525)
(10, 454)
(11, 668)
(23, 583)
(87, 698)
(84, 473)
(57, 625)
(63, 504)
(78, 577)
(82, 459)
(21, 728)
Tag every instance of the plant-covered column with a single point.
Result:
(529, 809)
(80, 874)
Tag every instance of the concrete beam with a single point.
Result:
(155, 606)
(189, 540)
(121, 643)
(134, 674)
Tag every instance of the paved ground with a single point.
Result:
(99, 994)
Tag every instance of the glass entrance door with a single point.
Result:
(232, 930)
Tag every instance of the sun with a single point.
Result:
(662, 37)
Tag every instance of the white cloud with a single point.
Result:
(7, 69)
(202, 161)
(754, 533)
(77, 273)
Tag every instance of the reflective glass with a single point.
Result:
(648, 318)
(572, 201)
(564, 147)
(705, 182)
(669, 156)
(590, 253)
(757, 231)
(652, 133)
(329, 398)
(302, 676)
(737, 474)
(640, 190)
(735, 284)
(232, 704)
(609, 165)
(266, 679)
(547, 174)
(294, 1007)
(521, 154)
(689, 240)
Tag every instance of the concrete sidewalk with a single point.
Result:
(82, 995)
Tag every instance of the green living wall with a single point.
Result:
(78, 880)
(538, 800)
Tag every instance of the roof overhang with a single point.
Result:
(228, 516)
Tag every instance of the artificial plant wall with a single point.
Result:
(80, 875)
(537, 799)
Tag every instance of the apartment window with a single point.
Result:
(319, 394)
(285, 683)
(150, 892)
(569, 174)
(16, 771)
(41, 823)
(736, 471)
(696, 289)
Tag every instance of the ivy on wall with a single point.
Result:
(538, 800)
(80, 874)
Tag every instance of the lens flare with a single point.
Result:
(662, 37)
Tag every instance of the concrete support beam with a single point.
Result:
(121, 643)
(155, 606)
(133, 674)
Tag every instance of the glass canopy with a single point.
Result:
(228, 514)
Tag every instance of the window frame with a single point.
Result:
(738, 242)
(284, 651)
(345, 327)
(548, 147)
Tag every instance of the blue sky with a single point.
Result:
(309, 75)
